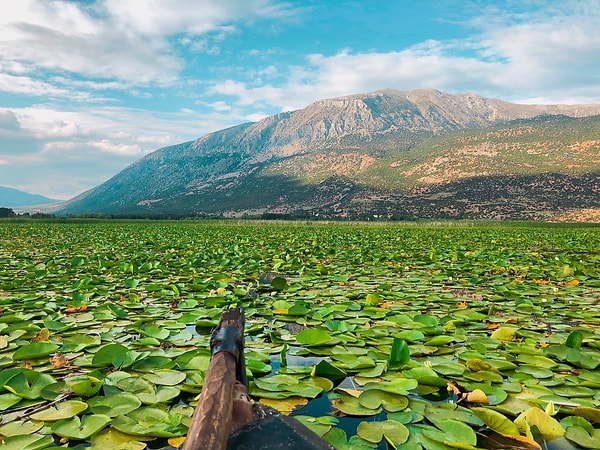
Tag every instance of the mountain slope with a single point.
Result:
(10, 198)
(364, 155)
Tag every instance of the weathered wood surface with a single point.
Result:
(209, 429)
(212, 419)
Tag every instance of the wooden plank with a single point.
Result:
(211, 422)
(209, 429)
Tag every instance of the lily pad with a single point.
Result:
(374, 398)
(149, 421)
(496, 421)
(63, 410)
(583, 437)
(27, 442)
(107, 354)
(76, 428)
(29, 384)
(162, 395)
(350, 405)
(398, 385)
(35, 351)
(452, 431)
(547, 425)
(114, 405)
(394, 432)
(165, 377)
(111, 438)
(313, 336)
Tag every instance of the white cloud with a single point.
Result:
(550, 54)
(115, 39)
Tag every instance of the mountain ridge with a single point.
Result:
(14, 198)
(372, 141)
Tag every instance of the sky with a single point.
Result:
(89, 86)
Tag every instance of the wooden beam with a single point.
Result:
(211, 422)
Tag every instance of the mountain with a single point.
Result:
(11, 198)
(399, 154)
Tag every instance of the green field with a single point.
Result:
(104, 331)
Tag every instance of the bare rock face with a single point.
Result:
(279, 163)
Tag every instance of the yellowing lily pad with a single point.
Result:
(286, 405)
(496, 421)
(547, 425)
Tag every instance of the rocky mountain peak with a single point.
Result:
(384, 145)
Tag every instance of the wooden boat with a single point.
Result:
(225, 417)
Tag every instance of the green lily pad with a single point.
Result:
(8, 400)
(442, 411)
(62, 410)
(400, 353)
(154, 331)
(452, 431)
(149, 421)
(76, 428)
(29, 384)
(573, 391)
(338, 439)
(534, 371)
(410, 335)
(374, 398)
(313, 336)
(27, 442)
(35, 351)
(19, 427)
(574, 340)
(111, 438)
(394, 432)
(398, 385)
(114, 405)
(327, 370)
(165, 377)
(162, 395)
(136, 385)
(107, 354)
(353, 363)
(583, 437)
(425, 375)
(350, 405)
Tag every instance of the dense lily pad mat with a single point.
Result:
(434, 337)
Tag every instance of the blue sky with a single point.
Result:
(89, 86)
